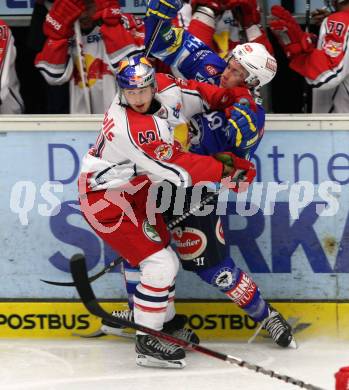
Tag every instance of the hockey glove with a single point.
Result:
(164, 9)
(238, 173)
(243, 96)
(288, 32)
(249, 12)
(108, 11)
(215, 5)
(242, 127)
(59, 21)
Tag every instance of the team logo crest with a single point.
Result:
(223, 279)
(150, 231)
(176, 110)
(162, 113)
(164, 152)
(211, 70)
(333, 49)
(190, 242)
(271, 65)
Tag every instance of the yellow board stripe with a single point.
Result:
(211, 320)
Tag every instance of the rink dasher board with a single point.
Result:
(211, 320)
(93, 122)
(307, 266)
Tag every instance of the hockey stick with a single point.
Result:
(82, 65)
(175, 221)
(153, 37)
(91, 279)
(306, 87)
(88, 298)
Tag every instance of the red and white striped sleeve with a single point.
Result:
(328, 65)
(54, 61)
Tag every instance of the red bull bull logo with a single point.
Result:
(96, 69)
(332, 48)
(163, 152)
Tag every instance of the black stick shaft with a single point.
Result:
(152, 38)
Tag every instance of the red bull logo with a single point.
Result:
(96, 69)
(332, 48)
(163, 152)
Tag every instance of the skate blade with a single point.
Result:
(120, 332)
(148, 361)
(293, 344)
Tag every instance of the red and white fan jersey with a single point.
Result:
(103, 48)
(10, 99)
(327, 68)
(132, 145)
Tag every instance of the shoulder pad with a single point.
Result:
(164, 81)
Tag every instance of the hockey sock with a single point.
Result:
(238, 286)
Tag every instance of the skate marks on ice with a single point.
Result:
(92, 364)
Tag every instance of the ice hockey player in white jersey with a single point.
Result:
(10, 99)
(248, 65)
(134, 149)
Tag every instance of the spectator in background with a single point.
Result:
(325, 66)
(50, 99)
(10, 99)
(107, 36)
(222, 25)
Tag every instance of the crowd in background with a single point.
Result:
(72, 70)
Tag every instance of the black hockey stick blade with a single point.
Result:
(80, 277)
(91, 279)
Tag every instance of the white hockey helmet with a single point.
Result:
(259, 63)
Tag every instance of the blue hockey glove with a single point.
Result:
(242, 126)
(164, 9)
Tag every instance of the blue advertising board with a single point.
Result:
(291, 231)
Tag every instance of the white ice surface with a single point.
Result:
(89, 364)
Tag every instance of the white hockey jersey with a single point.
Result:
(132, 145)
(326, 68)
(10, 99)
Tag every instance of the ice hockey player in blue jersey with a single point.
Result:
(248, 66)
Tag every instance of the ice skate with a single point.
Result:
(153, 352)
(176, 328)
(278, 328)
(111, 328)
